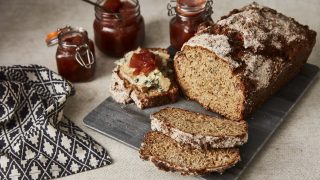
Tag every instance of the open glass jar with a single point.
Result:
(75, 54)
(188, 15)
(120, 32)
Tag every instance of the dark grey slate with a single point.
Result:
(127, 123)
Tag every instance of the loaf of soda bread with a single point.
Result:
(235, 65)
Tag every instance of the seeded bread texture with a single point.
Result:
(199, 130)
(168, 155)
(235, 65)
(124, 92)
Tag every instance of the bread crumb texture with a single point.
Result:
(167, 154)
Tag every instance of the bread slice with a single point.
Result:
(169, 155)
(125, 92)
(199, 130)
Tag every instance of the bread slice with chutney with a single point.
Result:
(145, 77)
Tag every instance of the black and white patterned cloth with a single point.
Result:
(36, 140)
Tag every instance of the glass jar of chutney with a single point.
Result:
(188, 15)
(121, 30)
(75, 54)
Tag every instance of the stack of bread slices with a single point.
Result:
(192, 143)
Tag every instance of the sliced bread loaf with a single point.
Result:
(167, 154)
(199, 130)
(237, 64)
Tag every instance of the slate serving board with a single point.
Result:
(127, 123)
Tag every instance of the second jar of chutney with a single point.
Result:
(120, 30)
(188, 15)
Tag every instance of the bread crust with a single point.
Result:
(198, 141)
(119, 88)
(163, 164)
(124, 92)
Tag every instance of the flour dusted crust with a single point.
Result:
(261, 69)
(200, 141)
(216, 43)
(264, 49)
(262, 26)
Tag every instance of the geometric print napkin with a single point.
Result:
(36, 140)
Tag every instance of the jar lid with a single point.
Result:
(189, 7)
(52, 38)
(74, 37)
(198, 4)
